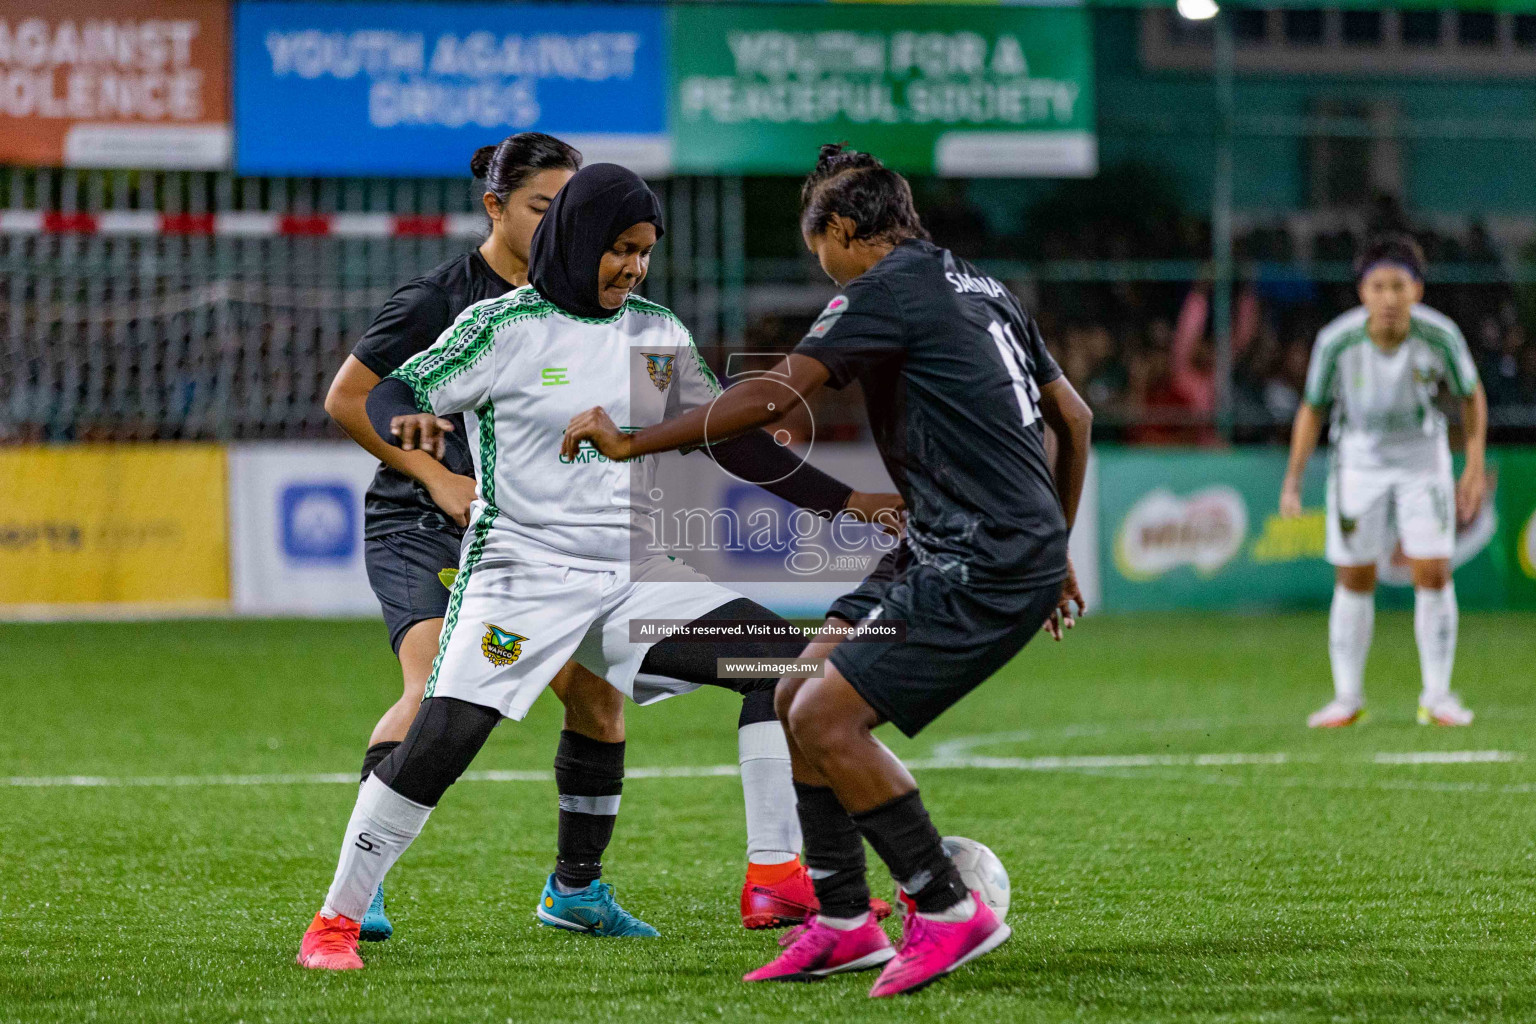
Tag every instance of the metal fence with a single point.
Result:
(177, 305)
(165, 305)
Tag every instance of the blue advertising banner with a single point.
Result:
(413, 89)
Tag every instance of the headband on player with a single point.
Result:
(598, 204)
(1407, 268)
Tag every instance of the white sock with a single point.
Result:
(383, 824)
(1434, 626)
(844, 924)
(962, 911)
(1351, 621)
(773, 824)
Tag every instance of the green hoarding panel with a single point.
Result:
(1199, 529)
(975, 91)
(1516, 497)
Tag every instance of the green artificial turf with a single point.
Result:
(1148, 885)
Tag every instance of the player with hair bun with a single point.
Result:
(1381, 366)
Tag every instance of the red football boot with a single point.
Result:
(775, 895)
(330, 944)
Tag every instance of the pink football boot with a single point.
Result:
(813, 950)
(931, 949)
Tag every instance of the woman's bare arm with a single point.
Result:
(1071, 421)
(758, 402)
(1304, 434)
(1474, 423)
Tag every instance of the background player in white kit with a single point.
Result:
(1380, 366)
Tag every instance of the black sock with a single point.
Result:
(590, 776)
(375, 754)
(906, 840)
(834, 852)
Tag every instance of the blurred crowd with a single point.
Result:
(1151, 373)
(1153, 380)
(1142, 351)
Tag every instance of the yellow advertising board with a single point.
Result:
(114, 524)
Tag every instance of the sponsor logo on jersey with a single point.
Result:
(829, 316)
(660, 368)
(975, 283)
(586, 452)
(501, 647)
(552, 375)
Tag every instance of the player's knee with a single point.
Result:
(412, 691)
(593, 708)
(601, 720)
(1431, 574)
(814, 731)
(605, 728)
(418, 650)
(784, 697)
(1359, 578)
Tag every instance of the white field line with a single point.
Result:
(1315, 782)
(1090, 763)
(1448, 757)
(965, 746)
(1049, 763)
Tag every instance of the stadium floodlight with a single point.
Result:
(1198, 10)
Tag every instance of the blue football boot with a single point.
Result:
(593, 910)
(375, 924)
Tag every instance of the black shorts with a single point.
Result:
(402, 569)
(956, 638)
(855, 605)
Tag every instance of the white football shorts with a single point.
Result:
(515, 624)
(1370, 508)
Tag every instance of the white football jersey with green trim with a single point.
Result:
(1384, 412)
(519, 369)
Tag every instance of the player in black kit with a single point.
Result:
(959, 390)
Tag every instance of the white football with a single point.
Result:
(980, 870)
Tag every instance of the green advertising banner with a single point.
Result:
(975, 91)
(1199, 529)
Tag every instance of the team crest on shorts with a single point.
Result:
(1347, 525)
(501, 647)
(660, 367)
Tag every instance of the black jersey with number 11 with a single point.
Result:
(952, 367)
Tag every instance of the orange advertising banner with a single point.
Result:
(101, 83)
